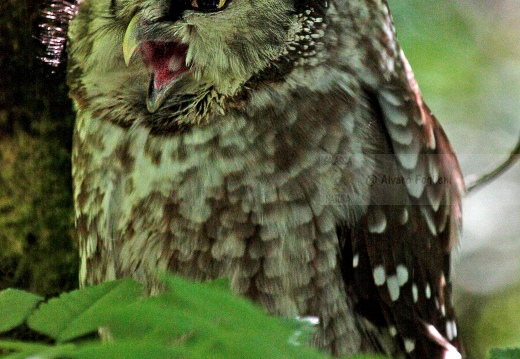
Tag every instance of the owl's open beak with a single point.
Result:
(164, 60)
(130, 41)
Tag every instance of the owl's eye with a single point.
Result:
(208, 5)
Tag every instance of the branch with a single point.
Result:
(473, 181)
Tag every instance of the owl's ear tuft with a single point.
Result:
(52, 29)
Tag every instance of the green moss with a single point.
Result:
(37, 248)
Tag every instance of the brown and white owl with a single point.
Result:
(281, 143)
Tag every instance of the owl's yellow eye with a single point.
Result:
(208, 5)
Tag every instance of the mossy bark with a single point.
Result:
(37, 249)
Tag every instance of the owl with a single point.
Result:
(283, 144)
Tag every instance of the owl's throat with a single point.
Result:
(165, 61)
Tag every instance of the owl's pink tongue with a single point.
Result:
(165, 60)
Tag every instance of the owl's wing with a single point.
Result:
(396, 259)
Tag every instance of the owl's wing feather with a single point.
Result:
(396, 259)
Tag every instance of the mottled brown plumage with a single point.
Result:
(281, 143)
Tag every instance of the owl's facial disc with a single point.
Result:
(164, 60)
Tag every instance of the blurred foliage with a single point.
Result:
(437, 42)
(465, 57)
(37, 250)
(498, 324)
(505, 354)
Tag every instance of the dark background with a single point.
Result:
(466, 56)
(37, 251)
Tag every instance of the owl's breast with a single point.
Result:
(200, 202)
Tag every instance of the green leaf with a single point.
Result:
(188, 320)
(82, 311)
(15, 307)
(208, 322)
(509, 353)
(41, 351)
(21, 349)
(130, 349)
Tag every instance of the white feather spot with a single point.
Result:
(435, 335)
(392, 98)
(409, 160)
(409, 345)
(402, 274)
(393, 287)
(296, 337)
(415, 293)
(428, 216)
(443, 280)
(450, 351)
(404, 216)
(355, 261)
(401, 134)
(449, 331)
(311, 320)
(377, 221)
(392, 330)
(443, 311)
(433, 169)
(428, 291)
(379, 275)
(454, 326)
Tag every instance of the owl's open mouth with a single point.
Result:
(164, 60)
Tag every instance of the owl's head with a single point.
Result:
(184, 60)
